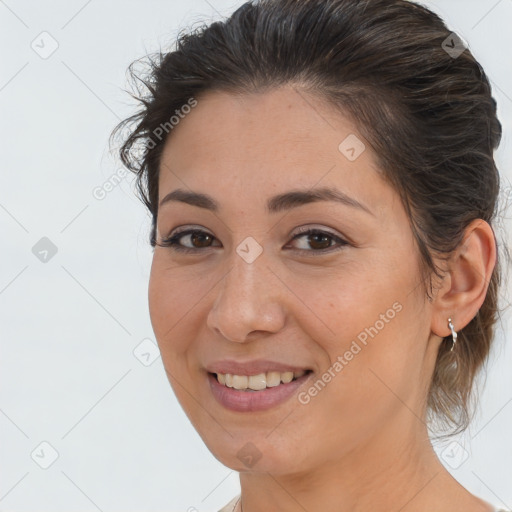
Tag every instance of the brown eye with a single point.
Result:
(197, 238)
(200, 238)
(320, 241)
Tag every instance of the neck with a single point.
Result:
(388, 472)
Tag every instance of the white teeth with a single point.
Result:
(286, 377)
(240, 381)
(273, 379)
(258, 382)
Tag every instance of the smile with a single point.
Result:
(237, 393)
(258, 382)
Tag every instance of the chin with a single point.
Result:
(255, 453)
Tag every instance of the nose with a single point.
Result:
(249, 302)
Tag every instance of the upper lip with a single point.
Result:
(254, 367)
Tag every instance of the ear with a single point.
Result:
(466, 281)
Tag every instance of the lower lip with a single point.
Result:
(249, 401)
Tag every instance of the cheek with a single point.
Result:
(372, 328)
(168, 306)
(158, 299)
(381, 366)
(169, 301)
(357, 302)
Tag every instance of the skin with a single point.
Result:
(362, 442)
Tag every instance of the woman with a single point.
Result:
(324, 283)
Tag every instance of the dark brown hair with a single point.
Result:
(426, 111)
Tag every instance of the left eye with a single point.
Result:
(319, 240)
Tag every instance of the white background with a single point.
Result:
(69, 326)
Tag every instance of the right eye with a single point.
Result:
(193, 235)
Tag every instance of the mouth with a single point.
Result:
(256, 393)
(259, 382)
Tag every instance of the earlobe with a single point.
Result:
(467, 279)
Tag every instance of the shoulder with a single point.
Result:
(229, 507)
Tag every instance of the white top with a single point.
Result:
(229, 507)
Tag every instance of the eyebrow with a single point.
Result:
(279, 203)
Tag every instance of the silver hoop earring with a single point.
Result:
(454, 334)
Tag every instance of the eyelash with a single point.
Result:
(172, 242)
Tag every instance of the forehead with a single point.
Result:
(255, 145)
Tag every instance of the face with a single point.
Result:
(257, 296)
